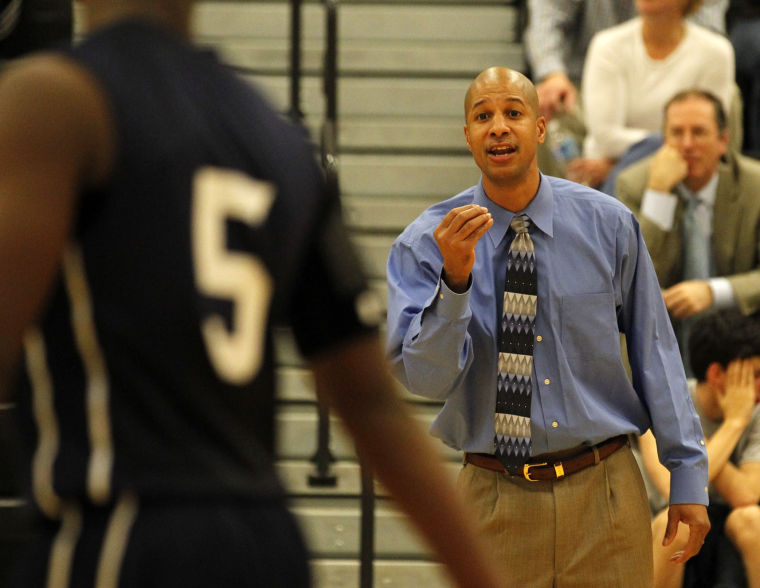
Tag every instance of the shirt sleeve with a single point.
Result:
(545, 35)
(723, 293)
(660, 208)
(428, 346)
(657, 370)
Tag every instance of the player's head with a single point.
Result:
(718, 338)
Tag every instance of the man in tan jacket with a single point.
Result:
(710, 259)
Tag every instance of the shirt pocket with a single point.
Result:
(589, 326)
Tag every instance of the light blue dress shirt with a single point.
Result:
(595, 279)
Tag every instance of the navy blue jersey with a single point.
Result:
(151, 369)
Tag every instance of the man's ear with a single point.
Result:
(467, 137)
(541, 127)
(715, 375)
(725, 138)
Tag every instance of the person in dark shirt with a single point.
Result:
(157, 218)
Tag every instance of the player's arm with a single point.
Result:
(52, 142)
(740, 486)
(352, 378)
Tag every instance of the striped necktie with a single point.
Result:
(512, 443)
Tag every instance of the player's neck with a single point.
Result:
(171, 14)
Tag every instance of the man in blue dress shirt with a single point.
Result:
(579, 517)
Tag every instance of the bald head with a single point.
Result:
(503, 79)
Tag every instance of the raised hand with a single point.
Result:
(737, 399)
(688, 298)
(456, 236)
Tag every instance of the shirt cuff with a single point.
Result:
(660, 208)
(723, 293)
(449, 304)
(688, 486)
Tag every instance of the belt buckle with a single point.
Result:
(526, 470)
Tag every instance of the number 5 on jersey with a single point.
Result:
(220, 195)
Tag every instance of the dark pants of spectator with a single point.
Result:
(718, 564)
(745, 37)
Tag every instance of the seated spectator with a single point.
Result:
(558, 34)
(743, 21)
(697, 204)
(632, 69)
(725, 356)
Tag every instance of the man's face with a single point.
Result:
(756, 362)
(503, 131)
(691, 128)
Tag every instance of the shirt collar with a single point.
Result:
(707, 194)
(540, 211)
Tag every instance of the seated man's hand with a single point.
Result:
(556, 94)
(667, 169)
(737, 399)
(688, 298)
(589, 172)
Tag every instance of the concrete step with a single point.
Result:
(371, 57)
(344, 573)
(332, 528)
(429, 177)
(383, 214)
(446, 22)
(413, 98)
(296, 385)
(295, 476)
(296, 433)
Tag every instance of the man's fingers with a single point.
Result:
(693, 545)
(670, 530)
(463, 223)
(456, 217)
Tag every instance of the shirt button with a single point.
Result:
(539, 338)
(701, 441)
(555, 424)
(705, 488)
(547, 381)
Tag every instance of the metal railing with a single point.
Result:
(323, 457)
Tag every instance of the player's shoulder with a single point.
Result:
(54, 73)
(54, 99)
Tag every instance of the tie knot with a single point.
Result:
(520, 224)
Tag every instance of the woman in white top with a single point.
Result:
(634, 68)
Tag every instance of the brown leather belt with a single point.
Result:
(548, 468)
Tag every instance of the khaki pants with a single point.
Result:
(588, 530)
